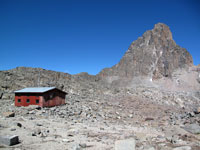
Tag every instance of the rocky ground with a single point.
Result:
(156, 120)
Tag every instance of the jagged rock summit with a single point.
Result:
(154, 55)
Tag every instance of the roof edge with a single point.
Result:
(35, 90)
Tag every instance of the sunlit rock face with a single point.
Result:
(154, 55)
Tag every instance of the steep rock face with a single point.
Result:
(154, 55)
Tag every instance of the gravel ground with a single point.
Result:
(97, 122)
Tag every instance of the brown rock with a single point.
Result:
(153, 55)
(149, 119)
(198, 110)
(9, 114)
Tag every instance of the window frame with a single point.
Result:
(27, 100)
(37, 101)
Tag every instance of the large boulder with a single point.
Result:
(128, 144)
(9, 140)
(193, 128)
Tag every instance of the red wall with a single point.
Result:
(48, 99)
(53, 98)
(32, 100)
(54, 102)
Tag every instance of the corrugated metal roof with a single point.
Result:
(35, 90)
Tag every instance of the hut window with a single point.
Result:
(37, 101)
(19, 100)
(51, 95)
(28, 100)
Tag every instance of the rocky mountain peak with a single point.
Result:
(163, 31)
(153, 55)
(160, 35)
(161, 27)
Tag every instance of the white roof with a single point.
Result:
(35, 90)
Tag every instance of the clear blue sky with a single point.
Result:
(86, 36)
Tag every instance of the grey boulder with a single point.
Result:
(128, 144)
(9, 140)
(193, 128)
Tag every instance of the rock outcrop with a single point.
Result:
(154, 55)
